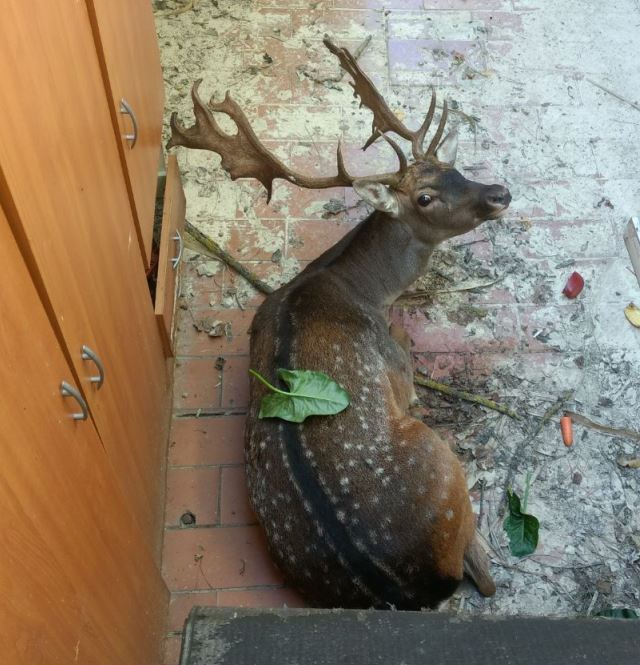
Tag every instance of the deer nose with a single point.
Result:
(497, 197)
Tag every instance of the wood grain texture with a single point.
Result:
(173, 217)
(129, 56)
(66, 199)
(79, 584)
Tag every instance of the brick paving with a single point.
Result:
(519, 76)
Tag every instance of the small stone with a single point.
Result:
(577, 478)
(188, 518)
(208, 269)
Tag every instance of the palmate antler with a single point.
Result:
(384, 120)
(244, 156)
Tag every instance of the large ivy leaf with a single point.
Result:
(522, 529)
(310, 394)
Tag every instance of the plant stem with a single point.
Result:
(527, 485)
(266, 383)
(462, 394)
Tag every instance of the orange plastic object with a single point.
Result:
(566, 427)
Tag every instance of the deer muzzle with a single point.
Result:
(496, 200)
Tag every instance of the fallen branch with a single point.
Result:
(463, 394)
(215, 249)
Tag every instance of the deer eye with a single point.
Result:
(424, 200)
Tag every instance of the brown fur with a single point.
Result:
(368, 507)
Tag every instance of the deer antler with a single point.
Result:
(384, 120)
(243, 155)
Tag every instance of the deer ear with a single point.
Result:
(446, 152)
(378, 195)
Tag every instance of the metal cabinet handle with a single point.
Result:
(126, 109)
(175, 261)
(67, 390)
(89, 354)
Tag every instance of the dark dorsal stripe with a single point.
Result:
(359, 564)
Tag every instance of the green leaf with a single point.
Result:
(522, 529)
(310, 394)
(617, 613)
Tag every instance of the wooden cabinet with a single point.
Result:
(71, 589)
(124, 31)
(81, 500)
(65, 185)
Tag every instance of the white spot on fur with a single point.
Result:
(341, 515)
(449, 514)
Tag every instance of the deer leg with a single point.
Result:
(476, 566)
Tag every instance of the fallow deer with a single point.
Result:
(367, 508)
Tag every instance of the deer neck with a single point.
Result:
(382, 259)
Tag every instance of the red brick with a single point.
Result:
(496, 332)
(235, 382)
(172, 646)
(267, 271)
(258, 240)
(193, 342)
(197, 383)
(282, 597)
(308, 239)
(181, 604)
(195, 490)
(442, 366)
(217, 558)
(217, 440)
(341, 24)
(235, 507)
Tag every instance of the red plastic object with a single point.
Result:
(574, 285)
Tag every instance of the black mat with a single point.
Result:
(228, 636)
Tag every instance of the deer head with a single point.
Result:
(429, 194)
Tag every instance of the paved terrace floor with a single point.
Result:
(544, 96)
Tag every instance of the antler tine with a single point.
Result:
(435, 141)
(416, 143)
(188, 136)
(384, 120)
(401, 156)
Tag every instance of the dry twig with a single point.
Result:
(463, 394)
(215, 249)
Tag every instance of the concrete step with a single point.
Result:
(239, 636)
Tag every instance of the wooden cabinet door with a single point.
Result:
(78, 582)
(128, 47)
(63, 189)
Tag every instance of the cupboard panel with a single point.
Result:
(128, 48)
(59, 167)
(78, 581)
